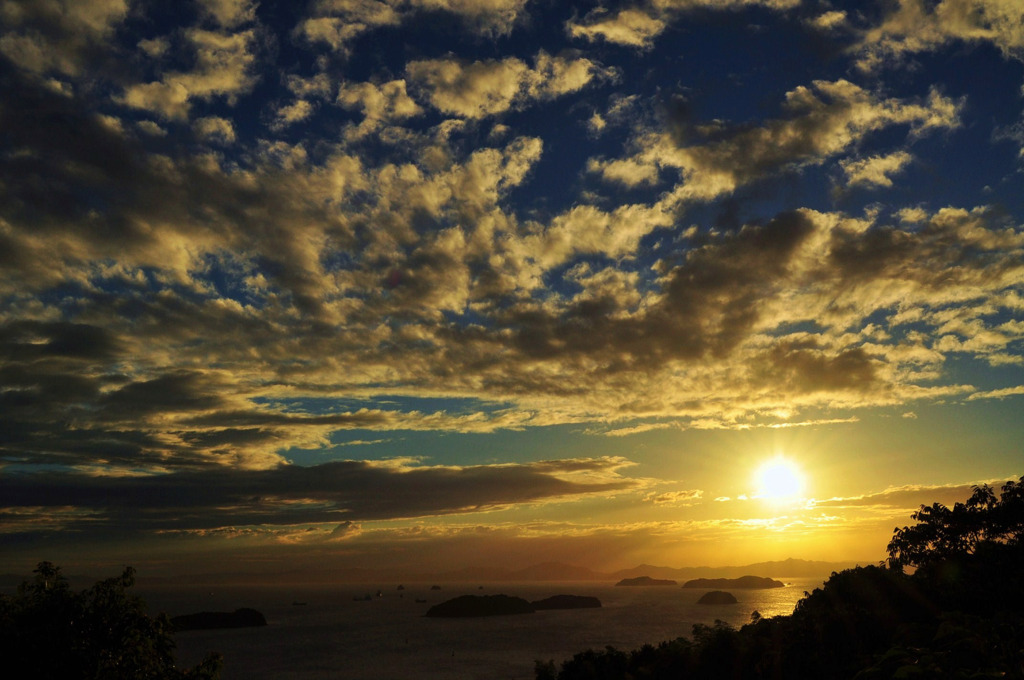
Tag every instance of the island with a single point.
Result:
(481, 605)
(717, 597)
(240, 618)
(646, 581)
(566, 602)
(741, 583)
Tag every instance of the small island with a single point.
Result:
(566, 602)
(646, 581)
(481, 605)
(741, 583)
(240, 618)
(717, 597)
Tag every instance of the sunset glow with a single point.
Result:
(426, 285)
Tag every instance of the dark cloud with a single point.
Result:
(719, 289)
(800, 367)
(178, 392)
(881, 251)
(66, 36)
(96, 192)
(67, 396)
(337, 492)
(62, 163)
(34, 341)
(710, 304)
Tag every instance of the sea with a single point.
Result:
(379, 632)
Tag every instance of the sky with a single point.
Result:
(428, 284)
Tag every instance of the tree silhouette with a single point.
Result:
(49, 631)
(943, 533)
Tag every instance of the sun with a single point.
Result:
(779, 479)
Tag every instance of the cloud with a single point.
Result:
(342, 493)
(151, 128)
(339, 23)
(1011, 133)
(830, 21)
(296, 112)
(631, 27)
(215, 129)
(782, 420)
(997, 394)
(902, 500)
(823, 120)
(379, 104)
(913, 26)
(799, 267)
(345, 531)
(472, 90)
(639, 26)
(588, 229)
(230, 13)
(61, 36)
(638, 429)
(347, 275)
(154, 47)
(483, 88)
(317, 85)
(490, 17)
(875, 170)
(622, 110)
(675, 498)
(223, 68)
(395, 255)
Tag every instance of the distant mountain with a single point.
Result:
(800, 568)
(546, 571)
(556, 571)
(791, 568)
(743, 583)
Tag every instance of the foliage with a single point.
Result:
(942, 533)
(958, 616)
(102, 633)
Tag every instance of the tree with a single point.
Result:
(943, 533)
(101, 633)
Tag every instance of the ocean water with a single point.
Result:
(336, 636)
